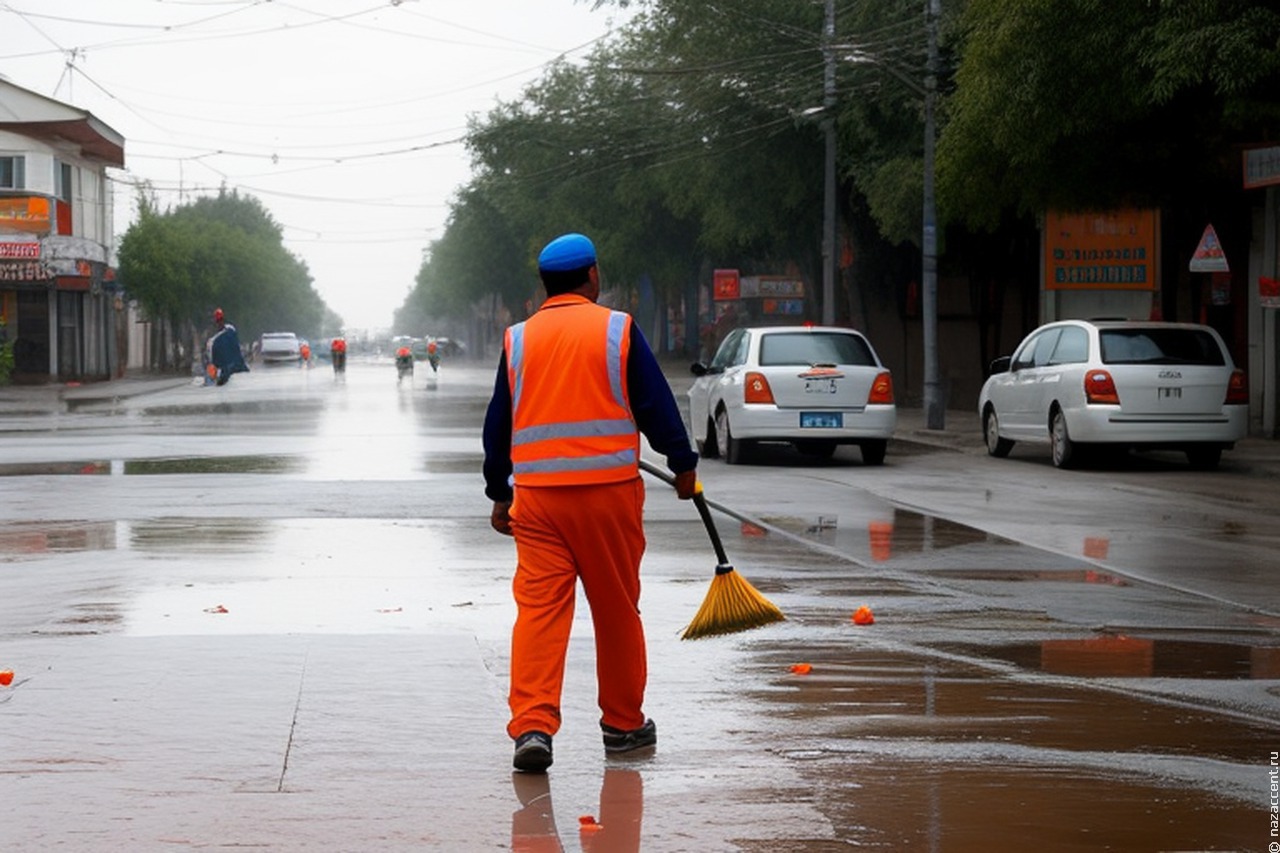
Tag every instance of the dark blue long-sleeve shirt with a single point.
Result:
(652, 405)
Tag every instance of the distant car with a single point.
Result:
(279, 348)
(1123, 384)
(815, 387)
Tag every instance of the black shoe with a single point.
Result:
(617, 740)
(533, 752)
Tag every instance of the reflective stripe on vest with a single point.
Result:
(601, 446)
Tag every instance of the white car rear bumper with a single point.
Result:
(760, 423)
(1103, 424)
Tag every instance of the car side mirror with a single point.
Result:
(698, 369)
(1000, 365)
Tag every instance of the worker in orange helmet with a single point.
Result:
(338, 354)
(404, 363)
(576, 386)
(433, 356)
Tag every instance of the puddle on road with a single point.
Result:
(37, 469)
(883, 533)
(272, 408)
(907, 752)
(891, 805)
(217, 465)
(453, 464)
(31, 538)
(199, 536)
(1043, 575)
(1136, 657)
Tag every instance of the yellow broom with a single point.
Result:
(732, 604)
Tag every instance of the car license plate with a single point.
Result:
(822, 420)
(819, 386)
(1169, 393)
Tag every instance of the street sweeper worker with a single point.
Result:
(576, 386)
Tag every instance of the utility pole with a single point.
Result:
(830, 227)
(934, 405)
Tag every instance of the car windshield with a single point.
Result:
(805, 348)
(1160, 346)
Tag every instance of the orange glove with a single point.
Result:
(687, 484)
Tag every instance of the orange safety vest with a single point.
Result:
(571, 421)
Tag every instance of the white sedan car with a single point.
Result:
(1124, 384)
(813, 386)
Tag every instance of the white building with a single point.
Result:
(59, 302)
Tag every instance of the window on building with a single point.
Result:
(62, 180)
(13, 172)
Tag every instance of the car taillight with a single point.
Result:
(1099, 387)
(1237, 389)
(755, 389)
(881, 390)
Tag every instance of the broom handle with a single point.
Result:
(703, 510)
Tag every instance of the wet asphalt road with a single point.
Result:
(272, 615)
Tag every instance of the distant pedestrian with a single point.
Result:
(576, 386)
(224, 349)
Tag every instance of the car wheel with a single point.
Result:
(730, 448)
(1204, 458)
(709, 447)
(816, 449)
(1064, 449)
(873, 452)
(996, 446)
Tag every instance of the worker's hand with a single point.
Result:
(500, 518)
(687, 484)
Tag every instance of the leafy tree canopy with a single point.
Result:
(1091, 103)
(220, 251)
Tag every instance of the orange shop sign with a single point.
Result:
(1105, 250)
(25, 214)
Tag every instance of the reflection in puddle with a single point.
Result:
(904, 752)
(52, 537)
(453, 464)
(217, 465)
(199, 536)
(1046, 575)
(885, 532)
(35, 469)
(616, 828)
(1135, 657)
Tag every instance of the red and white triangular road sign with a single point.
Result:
(1209, 256)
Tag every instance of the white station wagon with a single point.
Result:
(1124, 384)
(813, 386)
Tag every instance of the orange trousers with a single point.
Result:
(563, 534)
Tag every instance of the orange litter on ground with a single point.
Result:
(587, 823)
(6, 677)
(863, 616)
(802, 668)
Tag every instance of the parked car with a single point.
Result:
(813, 386)
(279, 348)
(1116, 383)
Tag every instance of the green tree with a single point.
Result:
(219, 251)
(1081, 104)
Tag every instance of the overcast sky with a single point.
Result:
(343, 117)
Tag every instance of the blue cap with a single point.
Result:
(567, 252)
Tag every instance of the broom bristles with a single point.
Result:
(732, 604)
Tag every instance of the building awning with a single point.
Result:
(32, 114)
